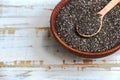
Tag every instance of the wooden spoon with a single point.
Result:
(108, 7)
(102, 12)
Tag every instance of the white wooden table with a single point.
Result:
(28, 50)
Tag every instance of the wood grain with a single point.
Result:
(29, 51)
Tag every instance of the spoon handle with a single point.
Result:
(108, 7)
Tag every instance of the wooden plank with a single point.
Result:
(26, 13)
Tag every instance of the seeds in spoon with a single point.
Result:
(89, 24)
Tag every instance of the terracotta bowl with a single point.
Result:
(81, 53)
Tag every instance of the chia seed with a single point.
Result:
(89, 24)
(76, 12)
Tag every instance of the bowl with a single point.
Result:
(81, 53)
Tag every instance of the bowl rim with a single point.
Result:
(81, 53)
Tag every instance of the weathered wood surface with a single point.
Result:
(28, 50)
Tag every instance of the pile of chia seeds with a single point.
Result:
(74, 14)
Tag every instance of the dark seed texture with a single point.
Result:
(89, 24)
(75, 12)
